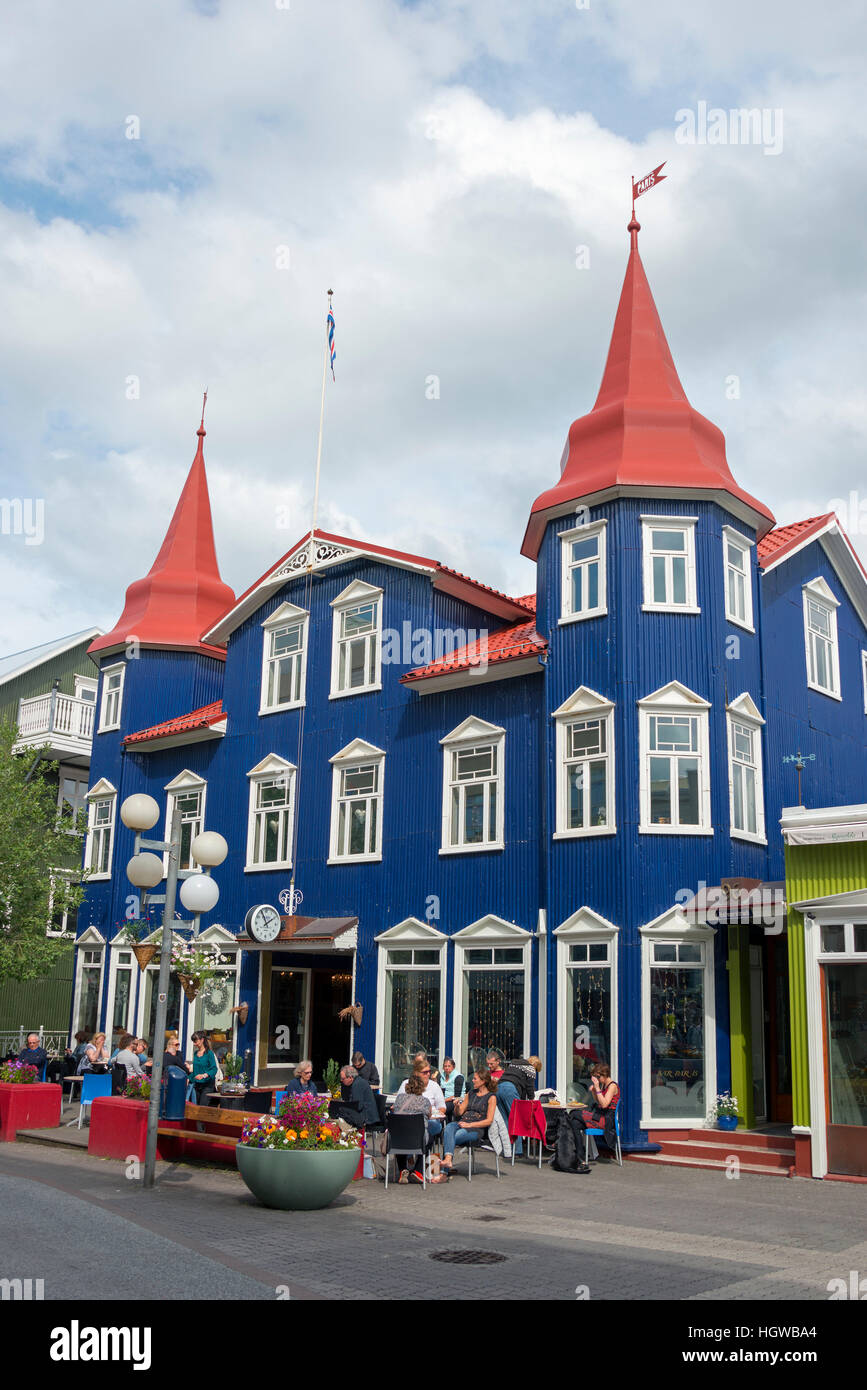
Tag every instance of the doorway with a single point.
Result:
(330, 1034)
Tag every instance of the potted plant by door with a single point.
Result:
(726, 1111)
(301, 1160)
(25, 1101)
(234, 1081)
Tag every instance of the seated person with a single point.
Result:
(422, 1067)
(605, 1095)
(451, 1083)
(474, 1115)
(95, 1056)
(359, 1103)
(32, 1054)
(172, 1056)
(494, 1065)
(302, 1082)
(128, 1057)
(366, 1070)
(412, 1101)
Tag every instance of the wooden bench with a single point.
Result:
(216, 1116)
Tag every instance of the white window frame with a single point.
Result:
(673, 927)
(864, 677)
(270, 769)
(356, 595)
(494, 932)
(115, 964)
(473, 732)
(583, 704)
(102, 791)
(584, 927)
(287, 615)
(411, 934)
(225, 942)
(738, 541)
(83, 683)
(687, 525)
(674, 699)
(185, 784)
(819, 593)
(356, 754)
(744, 711)
(567, 538)
(71, 774)
(90, 940)
(106, 724)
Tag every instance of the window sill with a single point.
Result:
(357, 690)
(472, 849)
(581, 617)
(266, 868)
(820, 690)
(99, 878)
(671, 1122)
(738, 622)
(675, 830)
(582, 834)
(280, 709)
(109, 729)
(669, 608)
(357, 859)
(748, 838)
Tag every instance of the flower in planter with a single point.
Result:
(725, 1105)
(18, 1073)
(137, 1088)
(267, 1133)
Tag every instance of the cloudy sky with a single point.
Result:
(438, 165)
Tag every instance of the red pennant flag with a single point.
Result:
(649, 181)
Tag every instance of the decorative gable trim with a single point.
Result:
(359, 748)
(218, 935)
(270, 766)
(472, 729)
(357, 592)
(583, 701)
(90, 937)
(674, 925)
(492, 928)
(412, 930)
(674, 695)
(101, 789)
(820, 589)
(745, 708)
(286, 613)
(185, 781)
(586, 923)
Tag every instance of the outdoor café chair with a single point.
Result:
(596, 1131)
(405, 1135)
(93, 1084)
(527, 1121)
(279, 1097)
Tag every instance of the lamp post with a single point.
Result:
(198, 894)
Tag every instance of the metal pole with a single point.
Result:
(162, 998)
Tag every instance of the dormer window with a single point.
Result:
(356, 655)
(668, 544)
(284, 659)
(820, 636)
(583, 588)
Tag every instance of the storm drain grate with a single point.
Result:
(488, 1216)
(468, 1257)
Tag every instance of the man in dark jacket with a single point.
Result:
(359, 1103)
(366, 1070)
(33, 1055)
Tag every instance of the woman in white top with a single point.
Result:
(433, 1093)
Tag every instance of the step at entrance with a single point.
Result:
(757, 1151)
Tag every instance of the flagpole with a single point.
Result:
(325, 362)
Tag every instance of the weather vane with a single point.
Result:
(799, 759)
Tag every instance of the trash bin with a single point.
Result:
(174, 1094)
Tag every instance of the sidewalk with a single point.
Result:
(640, 1232)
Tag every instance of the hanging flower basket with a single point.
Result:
(190, 986)
(144, 955)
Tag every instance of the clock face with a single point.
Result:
(263, 922)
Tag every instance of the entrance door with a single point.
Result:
(332, 991)
(778, 1033)
(844, 990)
(757, 1034)
(284, 1030)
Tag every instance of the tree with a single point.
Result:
(35, 843)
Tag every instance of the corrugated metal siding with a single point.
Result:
(39, 1002)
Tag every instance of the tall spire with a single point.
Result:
(182, 595)
(642, 432)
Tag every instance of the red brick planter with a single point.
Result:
(22, 1106)
(118, 1127)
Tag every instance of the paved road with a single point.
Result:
(642, 1233)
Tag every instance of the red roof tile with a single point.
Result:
(509, 644)
(783, 538)
(183, 723)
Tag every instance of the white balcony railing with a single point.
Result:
(54, 713)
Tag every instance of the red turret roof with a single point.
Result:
(182, 595)
(642, 433)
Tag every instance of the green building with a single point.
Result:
(49, 692)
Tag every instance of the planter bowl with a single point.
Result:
(296, 1179)
(727, 1122)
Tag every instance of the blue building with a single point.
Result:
(545, 824)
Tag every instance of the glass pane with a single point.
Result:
(689, 951)
(659, 595)
(473, 763)
(578, 952)
(586, 737)
(669, 540)
(400, 957)
(687, 791)
(412, 1022)
(750, 796)
(598, 951)
(214, 1009)
(585, 550)
(286, 683)
(678, 580)
(425, 957)
(591, 1026)
(821, 663)
(660, 791)
(173, 1006)
(357, 826)
(820, 619)
(456, 816)
(833, 939)
(494, 1012)
(845, 991)
(598, 797)
(474, 812)
(89, 1001)
(286, 1013)
(480, 956)
(861, 939)
(358, 620)
(357, 656)
(664, 951)
(737, 558)
(575, 794)
(492, 812)
(122, 994)
(286, 640)
(578, 590)
(593, 586)
(677, 1060)
(737, 796)
(510, 955)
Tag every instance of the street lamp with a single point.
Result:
(140, 813)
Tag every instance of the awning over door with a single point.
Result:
(321, 933)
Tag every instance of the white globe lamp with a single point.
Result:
(199, 893)
(144, 870)
(209, 849)
(139, 812)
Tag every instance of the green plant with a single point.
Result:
(20, 1073)
(232, 1064)
(725, 1104)
(138, 1088)
(332, 1077)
